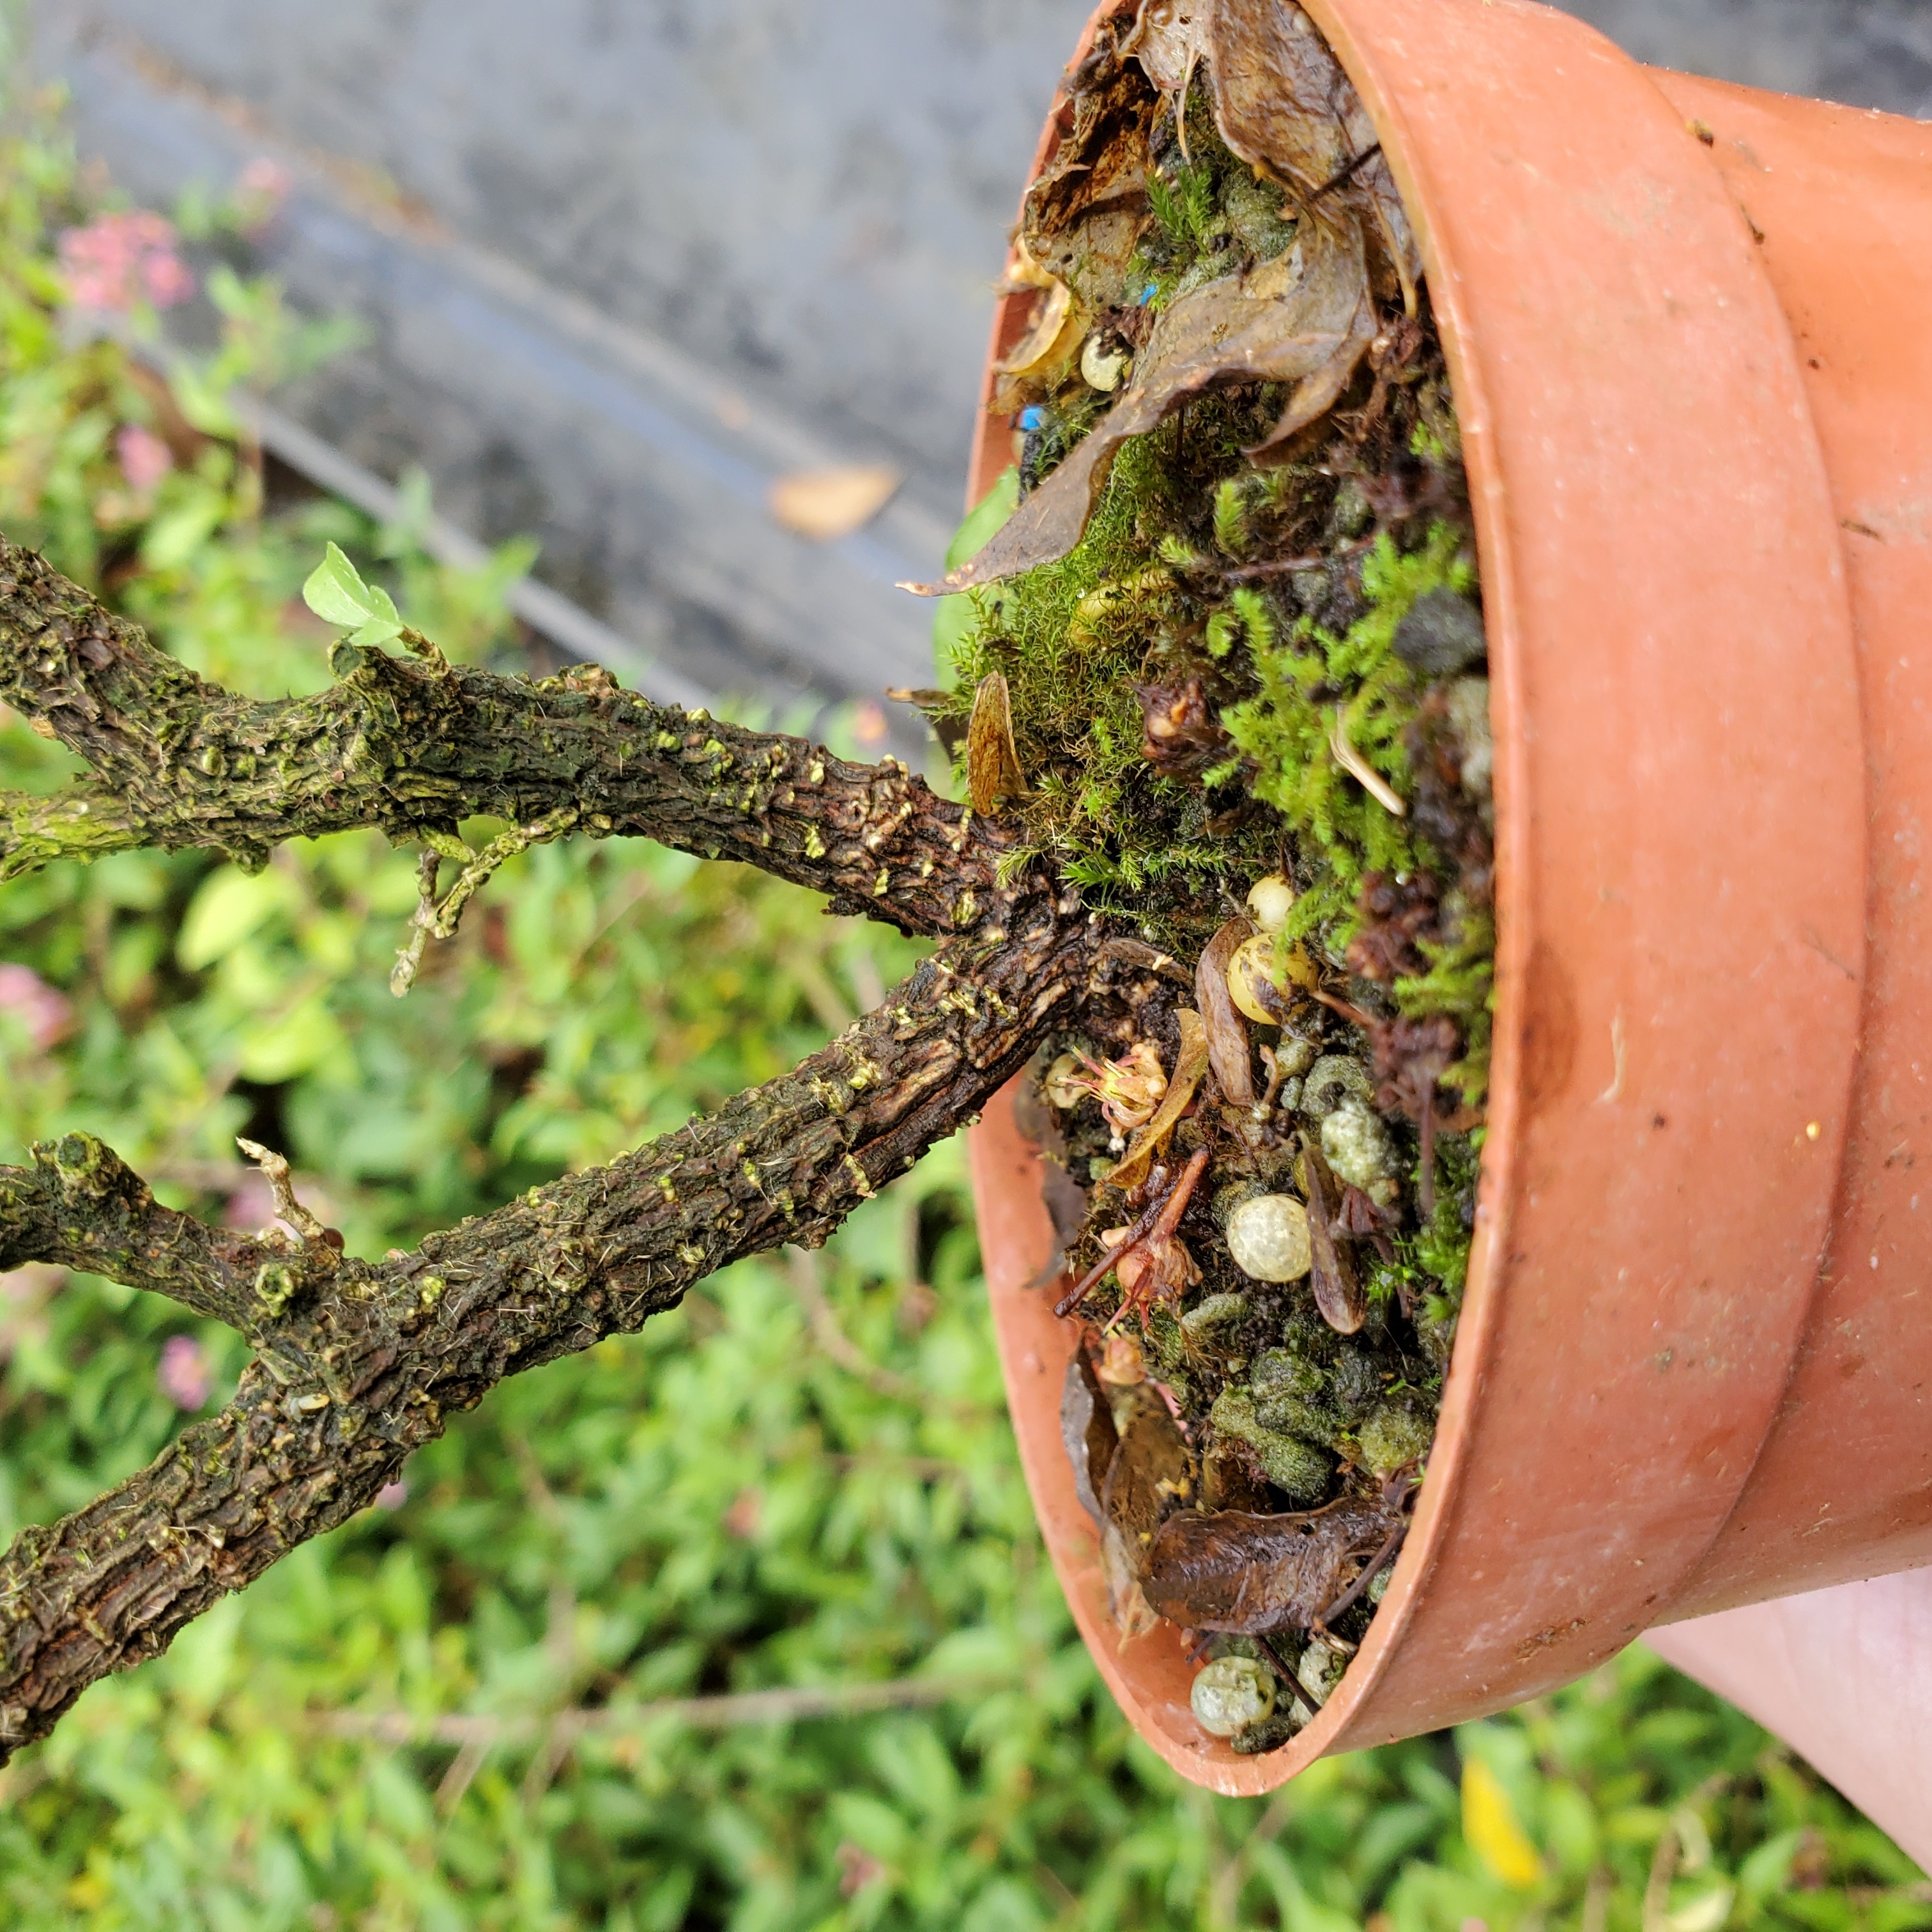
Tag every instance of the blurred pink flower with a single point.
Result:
(858, 1869)
(118, 260)
(186, 1376)
(144, 458)
(392, 1496)
(47, 1013)
(251, 1202)
(259, 191)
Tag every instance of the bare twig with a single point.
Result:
(275, 1170)
(485, 1730)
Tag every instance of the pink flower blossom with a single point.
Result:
(858, 1869)
(144, 458)
(392, 1496)
(186, 1376)
(45, 1013)
(262, 187)
(118, 260)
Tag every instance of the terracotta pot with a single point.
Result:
(1684, 324)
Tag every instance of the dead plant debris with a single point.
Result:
(1226, 665)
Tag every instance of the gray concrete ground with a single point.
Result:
(625, 262)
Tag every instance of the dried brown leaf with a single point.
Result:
(992, 762)
(1338, 1295)
(1304, 317)
(1167, 40)
(1251, 1574)
(825, 505)
(1229, 1046)
(1086, 1428)
(1084, 214)
(1285, 107)
(1151, 1473)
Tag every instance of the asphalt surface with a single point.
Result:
(624, 263)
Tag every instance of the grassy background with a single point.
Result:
(471, 1709)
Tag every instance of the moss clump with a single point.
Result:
(1078, 640)
(1315, 684)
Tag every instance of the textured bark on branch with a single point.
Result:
(413, 745)
(355, 1362)
(358, 1363)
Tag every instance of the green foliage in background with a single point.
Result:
(462, 1711)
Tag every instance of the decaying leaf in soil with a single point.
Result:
(1260, 1573)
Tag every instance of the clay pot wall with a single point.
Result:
(1684, 323)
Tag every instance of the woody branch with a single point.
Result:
(356, 1362)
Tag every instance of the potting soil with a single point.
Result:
(1219, 649)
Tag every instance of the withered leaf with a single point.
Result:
(1251, 1574)
(1285, 107)
(1051, 339)
(1151, 1472)
(1229, 1047)
(1167, 40)
(1133, 1615)
(1083, 215)
(1338, 1295)
(992, 764)
(1086, 1428)
(1305, 316)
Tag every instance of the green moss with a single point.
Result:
(1313, 685)
(1074, 638)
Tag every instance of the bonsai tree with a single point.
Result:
(1224, 735)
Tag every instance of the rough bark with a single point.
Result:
(414, 745)
(355, 1362)
(358, 1363)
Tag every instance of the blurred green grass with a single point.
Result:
(475, 1709)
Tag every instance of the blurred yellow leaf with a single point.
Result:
(827, 504)
(1494, 1833)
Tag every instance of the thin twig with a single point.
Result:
(484, 1729)
(1302, 1695)
(1352, 1595)
(275, 1170)
(1156, 1226)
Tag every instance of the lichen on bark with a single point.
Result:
(355, 1362)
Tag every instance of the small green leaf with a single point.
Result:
(336, 593)
(377, 631)
(172, 540)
